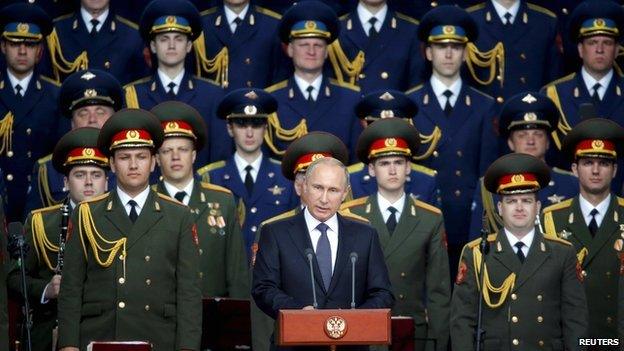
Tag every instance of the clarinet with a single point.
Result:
(62, 236)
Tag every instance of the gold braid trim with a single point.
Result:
(503, 290)
(580, 256)
(549, 225)
(241, 210)
(217, 65)
(431, 139)
(494, 220)
(59, 63)
(41, 243)
(340, 63)
(132, 100)
(6, 133)
(563, 126)
(276, 132)
(488, 59)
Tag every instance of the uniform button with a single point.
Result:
(540, 319)
(539, 298)
(147, 258)
(515, 342)
(247, 61)
(107, 64)
(500, 99)
(10, 153)
(434, 3)
(522, 80)
(403, 274)
(28, 131)
(253, 210)
(147, 307)
(564, 11)
(498, 77)
(540, 343)
(584, 273)
(28, 177)
(121, 304)
(608, 296)
(460, 153)
(121, 257)
(201, 274)
(249, 84)
(457, 193)
(9, 177)
(514, 319)
(148, 281)
(201, 251)
(121, 280)
(401, 297)
(458, 173)
(277, 202)
(29, 154)
(609, 320)
(608, 274)
(523, 56)
(436, 154)
(362, 76)
(384, 75)
(514, 297)
(254, 228)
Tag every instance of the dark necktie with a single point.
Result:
(595, 94)
(323, 255)
(171, 93)
(133, 213)
(238, 22)
(593, 224)
(507, 19)
(249, 183)
(95, 23)
(519, 245)
(310, 89)
(18, 91)
(447, 107)
(372, 31)
(180, 196)
(391, 222)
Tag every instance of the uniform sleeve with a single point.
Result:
(438, 288)
(476, 213)
(237, 267)
(574, 312)
(464, 305)
(378, 288)
(489, 139)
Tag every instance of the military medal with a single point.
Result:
(565, 234)
(212, 221)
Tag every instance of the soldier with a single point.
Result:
(309, 100)
(29, 116)
(407, 228)
(84, 169)
(86, 99)
(591, 220)
(223, 264)
(526, 120)
(255, 179)
(170, 27)
(517, 47)
(533, 295)
(132, 271)
(422, 181)
(458, 120)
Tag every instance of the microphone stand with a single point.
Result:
(485, 249)
(310, 254)
(27, 317)
(353, 256)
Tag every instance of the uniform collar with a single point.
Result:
(241, 164)
(231, 15)
(23, 83)
(165, 80)
(501, 10)
(303, 85)
(591, 81)
(86, 18)
(439, 88)
(188, 189)
(527, 240)
(384, 204)
(365, 15)
(140, 198)
(587, 207)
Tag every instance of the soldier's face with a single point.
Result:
(598, 53)
(132, 167)
(91, 116)
(391, 172)
(175, 158)
(248, 137)
(94, 5)
(534, 142)
(324, 190)
(21, 57)
(171, 48)
(446, 58)
(594, 174)
(519, 211)
(308, 54)
(86, 182)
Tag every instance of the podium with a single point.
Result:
(119, 346)
(333, 327)
(226, 324)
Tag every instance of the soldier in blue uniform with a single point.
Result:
(522, 35)
(458, 120)
(309, 100)
(422, 181)
(260, 189)
(94, 37)
(378, 48)
(526, 120)
(170, 27)
(86, 99)
(29, 116)
(247, 35)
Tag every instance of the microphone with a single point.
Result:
(353, 256)
(17, 248)
(16, 240)
(310, 254)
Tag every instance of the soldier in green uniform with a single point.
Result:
(411, 231)
(533, 297)
(84, 166)
(223, 263)
(594, 220)
(132, 259)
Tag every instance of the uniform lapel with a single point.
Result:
(405, 226)
(233, 181)
(263, 183)
(345, 246)
(222, 28)
(503, 253)
(34, 93)
(355, 32)
(519, 25)
(323, 103)
(494, 25)
(187, 90)
(116, 214)
(576, 225)
(388, 33)
(155, 90)
(608, 228)
(149, 216)
(80, 33)
(538, 253)
(105, 36)
(462, 112)
(247, 29)
(612, 97)
(297, 101)
(198, 200)
(433, 112)
(7, 95)
(373, 213)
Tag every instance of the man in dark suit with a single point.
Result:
(278, 282)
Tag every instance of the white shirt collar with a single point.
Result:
(303, 86)
(591, 81)
(587, 207)
(140, 199)
(384, 204)
(231, 16)
(188, 189)
(312, 222)
(23, 83)
(86, 18)
(439, 88)
(501, 10)
(165, 80)
(365, 15)
(241, 164)
(527, 240)
(315, 234)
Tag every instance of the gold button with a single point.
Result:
(564, 11)
(539, 298)
(514, 297)
(460, 153)
(584, 273)
(147, 258)
(28, 131)
(436, 154)
(514, 319)
(458, 173)
(148, 281)
(121, 257)
(277, 202)
(608, 274)
(457, 192)
(540, 343)
(540, 319)
(434, 3)
(121, 280)
(523, 56)
(515, 342)
(201, 251)
(249, 84)
(384, 75)
(253, 210)
(522, 80)
(28, 153)
(9, 177)
(609, 320)
(121, 304)
(500, 99)
(107, 64)
(254, 228)
(403, 274)
(247, 61)
(147, 307)
(10, 153)
(201, 274)
(362, 76)
(401, 297)
(499, 78)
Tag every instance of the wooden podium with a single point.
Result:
(333, 327)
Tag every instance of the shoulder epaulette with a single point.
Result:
(127, 22)
(44, 159)
(557, 240)
(344, 17)
(139, 81)
(209, 167)
(62, 17)
(620, 201)
(414, 89)
(279, 217)
(154, 187)
(49, 80)
(344, 84)
(477, 241)
(475, 90)
(215, 187)
(476, 7)
(562, 171)
(209, 11)
(541, 9)
(422, 169)
(562, 79)
(356, 202)
(97, 198)
(47, 209)
(348, 214)
(208, 80)
(275, 162)
(169, 198)
(426, 206)
(407, 18)
(268, 12)
(277, 86)
(355, 167)
(558, 206)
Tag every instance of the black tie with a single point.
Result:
(593, 225)
(519, 245)
(595, 95)
(171, 93)
(133, 213)
(249, 183)
(95, 23)
(447, 107)
(323, 255)
(507, 19)
(18, 91)
(391, 222)
(310, 89)
(237, 21)
(372, 31)
(180, 196)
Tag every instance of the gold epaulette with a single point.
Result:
(344, 17)
(476, 7)
(209, 11)
(425, 170)
(44, 159)
(132, 99)
(41, 243)
(215, 187)
(426, 206)
(274, 161)
(414, 89)
(620, 201)
(49, 80)
(344, 84)
(139, 81)
(280, 216)
(562, 171)
(62, 17)
(348, 214)
(491, 238)
(407, 18)
(268, 12)
(127, 22)
(557, 240)
(154, 187)
(95, 199)
(353, 203)
(475, 90)
(561, 80)
(277, 86)
(170, 199)
(558, 206)
(211, 81)
(212, 166)
(46, 209)
(541, 9)
(356, 167)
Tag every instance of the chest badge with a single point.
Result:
(277, 190)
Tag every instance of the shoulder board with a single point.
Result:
(559, 206)
(355, 167)
(49, 80)
(154, 187)
(422, 169)
(208, 80)
(476, 7)
(414, 89)
(277, 86)
(268, 12)
(346, 213)
(215, 188)
(281, 216)
(47, 209)
(208, 11)
(407, 18)
(620, 201)
(44, 159)
(344, 17)
(209, 167)
(475, 90)
(426, 206)
(353, 203)
(139, 81)
(541, 9)
(476, 242)
(562, 79)
(62, 17)
(97, 198)
(344, 85)
(557, 239)
(170, 199)
(562, 171)
(275, 162)
(127, 22)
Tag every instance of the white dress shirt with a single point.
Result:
(165, 80)
(587, 207)
(23, 82)
(439, 88)
(139, 199)
(384, 204)
(231, 16)
(188, 189)
(591, 81)
(527, 240)
(364, 15)
(86, 18)
(502, 10)
(315, 234)
(303, 86)
(241, 164)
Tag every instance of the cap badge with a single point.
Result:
(530, 116)
(599, 22)
(391, 142)
(386, 114)
(310, 25)
(22, 28)
(529, 99)
(251, 95)
(317, 156)
(448, 29)
(386, 96)
(87, 76)
(170, 20)
(172, 125)
(517, 178)
(597, 144)
(250, 110)
(88, 152)
(132, 134)
(89, 93)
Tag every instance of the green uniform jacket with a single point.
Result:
(222, 259)
(545, 309)
(150, 294)
(417, 263)
(599, 257)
